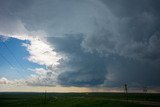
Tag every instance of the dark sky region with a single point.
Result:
(98, 43)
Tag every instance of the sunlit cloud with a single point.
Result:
(86, 43)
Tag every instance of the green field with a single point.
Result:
(75, 99)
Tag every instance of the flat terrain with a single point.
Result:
(79, 100)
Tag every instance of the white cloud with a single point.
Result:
(43, 77)
(42, 53)
(40, 71)
(5, 81)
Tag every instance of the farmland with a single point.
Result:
(79, 100)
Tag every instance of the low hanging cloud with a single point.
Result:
(81, 68)
(6, 82)
(43, 77)
(103, 43)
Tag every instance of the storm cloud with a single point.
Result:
(104, 42)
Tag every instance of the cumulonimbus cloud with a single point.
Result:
(105, 44)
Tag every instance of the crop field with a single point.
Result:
(79, 100)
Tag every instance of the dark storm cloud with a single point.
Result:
(135, 29)
(84, 69)
(106, 42)
(135, 73)
(130, 50)
(92, 69)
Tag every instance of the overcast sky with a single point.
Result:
(80, 43)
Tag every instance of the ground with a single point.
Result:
(79, 100)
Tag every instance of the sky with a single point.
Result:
(79, 45)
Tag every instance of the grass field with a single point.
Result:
(75, 99)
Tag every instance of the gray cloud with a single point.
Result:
(92, 69)
(132, 33)
(81, 68)
(107, 43)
